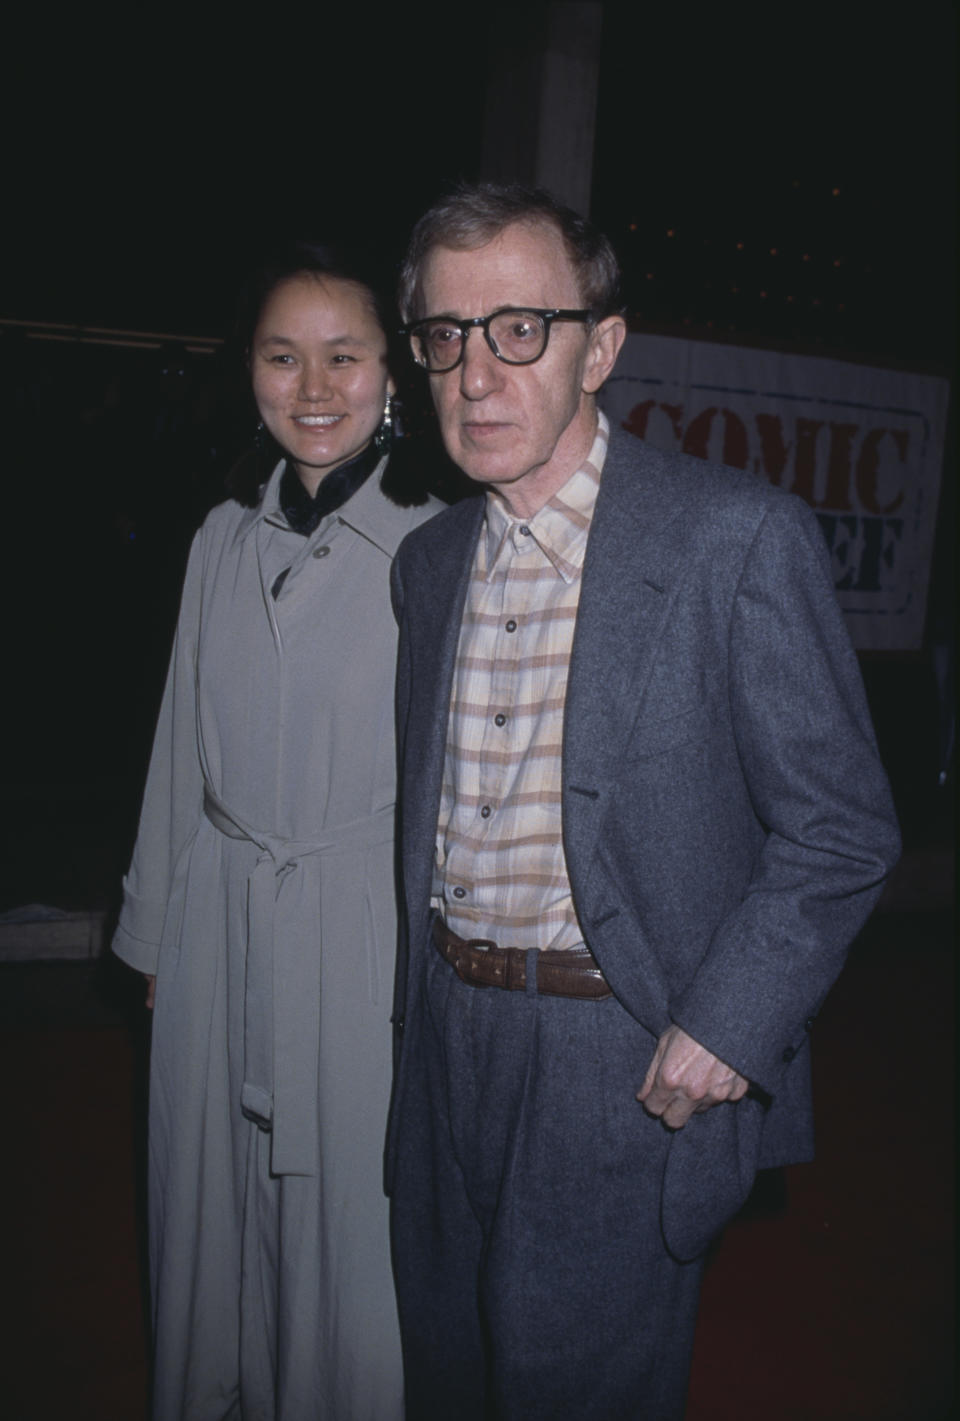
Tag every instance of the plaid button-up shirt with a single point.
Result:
(500, 866)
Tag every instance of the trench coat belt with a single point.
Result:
(281, 1025)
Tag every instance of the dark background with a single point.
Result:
(768, 176)
(147, 156)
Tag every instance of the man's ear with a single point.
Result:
(606, 338)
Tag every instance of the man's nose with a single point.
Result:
(480, 370)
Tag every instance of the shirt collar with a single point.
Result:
(560, 528)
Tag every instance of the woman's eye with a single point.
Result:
(281, 359)
(343, 360)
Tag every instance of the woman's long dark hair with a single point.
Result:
(401, 481)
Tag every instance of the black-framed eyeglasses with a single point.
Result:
(517, 335)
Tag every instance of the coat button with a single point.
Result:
(321, 552)
(788, 1054)
(808, 1024)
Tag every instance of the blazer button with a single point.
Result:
(321, 552)
(808, 1024)
(788, 1054)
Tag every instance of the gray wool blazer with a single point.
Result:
(727, 823)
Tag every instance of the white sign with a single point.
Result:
(864, 447)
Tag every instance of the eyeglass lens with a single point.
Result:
(516, 336)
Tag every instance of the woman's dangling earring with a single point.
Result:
(384, 435)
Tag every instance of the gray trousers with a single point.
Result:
(532, 1277)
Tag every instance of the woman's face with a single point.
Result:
(318, 360)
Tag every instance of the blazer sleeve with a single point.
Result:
(809, 759)
(173, 797)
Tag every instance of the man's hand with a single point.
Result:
(685, 1078)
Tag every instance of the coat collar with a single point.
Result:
(369, 512)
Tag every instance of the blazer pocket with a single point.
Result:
(650, 738)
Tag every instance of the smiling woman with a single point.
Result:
(319, 366)
(260, 901)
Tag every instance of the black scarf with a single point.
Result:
(304, 513)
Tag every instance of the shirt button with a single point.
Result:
(485, 812)
(459, 892)
(523, 530)
(321, 552)
(500, 719)
(511, 625)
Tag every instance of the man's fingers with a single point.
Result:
(685, 1079)
(653, 1098)
(740, 1088)
(649, 1080)
(678, 1112)
(674, 1108)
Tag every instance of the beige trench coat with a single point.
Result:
(261, 893)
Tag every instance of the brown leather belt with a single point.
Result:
(480, 962)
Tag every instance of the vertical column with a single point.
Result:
(541, 102)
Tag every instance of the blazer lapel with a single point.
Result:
(630, 574)
(435, 590)
(629, 577)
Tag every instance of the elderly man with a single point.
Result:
(642, 819)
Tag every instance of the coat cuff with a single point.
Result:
(761, 1044)
(139, 931)
(142, 956)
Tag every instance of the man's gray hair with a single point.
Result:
(474, 213)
